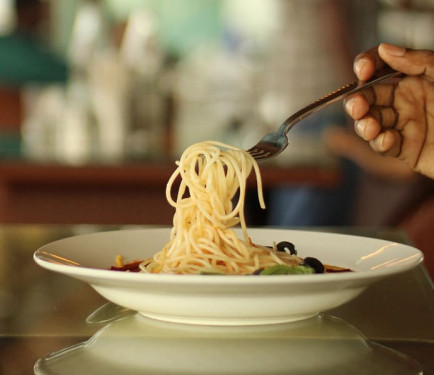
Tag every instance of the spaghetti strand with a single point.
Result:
(203, 239)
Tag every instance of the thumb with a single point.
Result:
(408, 61)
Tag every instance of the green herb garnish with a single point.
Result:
(281, 269)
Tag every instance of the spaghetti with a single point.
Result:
(203, 240)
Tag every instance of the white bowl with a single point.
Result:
(228, 300)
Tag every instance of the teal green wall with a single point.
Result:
(183, 23)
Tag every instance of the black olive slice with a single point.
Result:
(258, 271)
(314, 263)
(287, 247)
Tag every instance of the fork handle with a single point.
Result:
(336, 95)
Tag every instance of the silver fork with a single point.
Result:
(275, 142)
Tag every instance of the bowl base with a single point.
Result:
(228, 321)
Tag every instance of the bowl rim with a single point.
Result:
(82, 271)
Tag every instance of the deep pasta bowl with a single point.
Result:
(228, 300)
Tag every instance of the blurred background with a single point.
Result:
(98, 98)
(109, 81)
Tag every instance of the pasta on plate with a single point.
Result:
(203, 240)
(208, 206)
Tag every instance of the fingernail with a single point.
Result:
(359, 66)
(349, 105)
(360, 128)
(392, 49)
(380, 141)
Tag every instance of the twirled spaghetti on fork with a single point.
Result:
(203, 239)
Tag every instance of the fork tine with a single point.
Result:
(260, 157)
(258, 153)
(255, 151)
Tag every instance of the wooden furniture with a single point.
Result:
(111, 194)
(11, 109)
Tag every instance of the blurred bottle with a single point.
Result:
(95, 123)
(29, 67)
(143, 59)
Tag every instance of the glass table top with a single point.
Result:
(65, 327)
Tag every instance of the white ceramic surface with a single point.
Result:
(228, 300)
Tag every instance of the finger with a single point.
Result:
(367, 128)
(356, 106)
(380, 95)
(387, 117)
(387, 143)
(408, 61)
(366, 63)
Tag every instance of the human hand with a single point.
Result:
(397, 118)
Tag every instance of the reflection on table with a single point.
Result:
(43, 312)
(139, 345)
